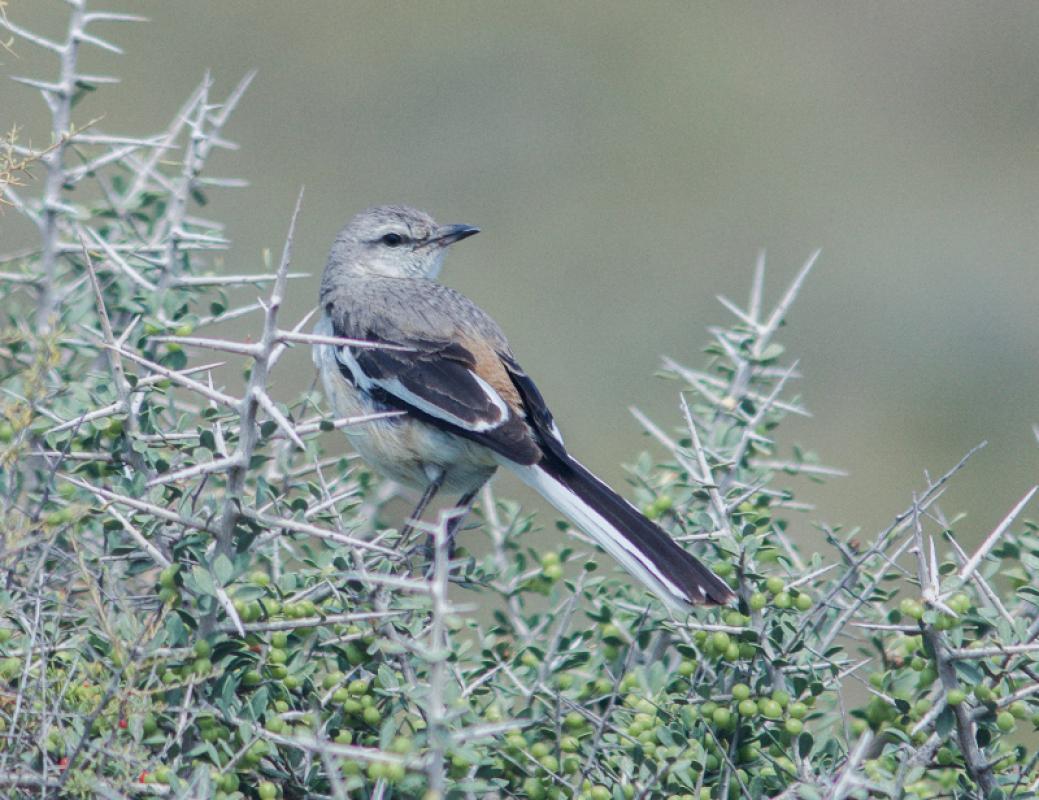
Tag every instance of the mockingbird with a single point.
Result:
(469, 406)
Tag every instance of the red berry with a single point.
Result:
(63, 762)
(123, 724)
(143, 777)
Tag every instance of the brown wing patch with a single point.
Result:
(488, 365)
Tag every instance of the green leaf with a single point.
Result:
(200, 581)
(387, 678)
(223, 569)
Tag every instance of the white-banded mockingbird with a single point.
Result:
(469, 406)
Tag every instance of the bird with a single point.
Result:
(465, 405)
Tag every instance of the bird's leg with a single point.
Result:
(427, 496)
(458, 515)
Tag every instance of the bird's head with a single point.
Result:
(394, 241)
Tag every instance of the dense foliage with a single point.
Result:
(198, 602)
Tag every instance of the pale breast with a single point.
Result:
(402, 448)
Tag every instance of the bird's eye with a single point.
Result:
(392, 239)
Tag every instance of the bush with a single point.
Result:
(196, 602)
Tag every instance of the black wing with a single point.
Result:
(439, 382)
(538, 415)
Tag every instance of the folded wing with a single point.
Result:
(454, 385)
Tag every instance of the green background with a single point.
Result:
(626, 161)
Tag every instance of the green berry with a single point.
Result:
(757, 601)
(277, 656)
(944, 622)
(928, 676)
(331, 679)
(262, 579)
(748, 708)
(803, 601)
(955, 696)
(168, 596)
(719, 642)
(735, 618)
(722, 569)
(534, 789)
(740, 692)
(775, 584)
(911, 608)
(168, 576)
(782, 600)
(960, 603)
(267, 790)
(793, 726)
(574, 720)
(1005, 721)
(749, 752)
(663, 504)
(251, 679)
(721, 717)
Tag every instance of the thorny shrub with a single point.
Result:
(197, 603)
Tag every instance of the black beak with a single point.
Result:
(449, 234)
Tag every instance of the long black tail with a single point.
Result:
(641, 547)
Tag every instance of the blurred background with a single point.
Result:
(626, 163)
